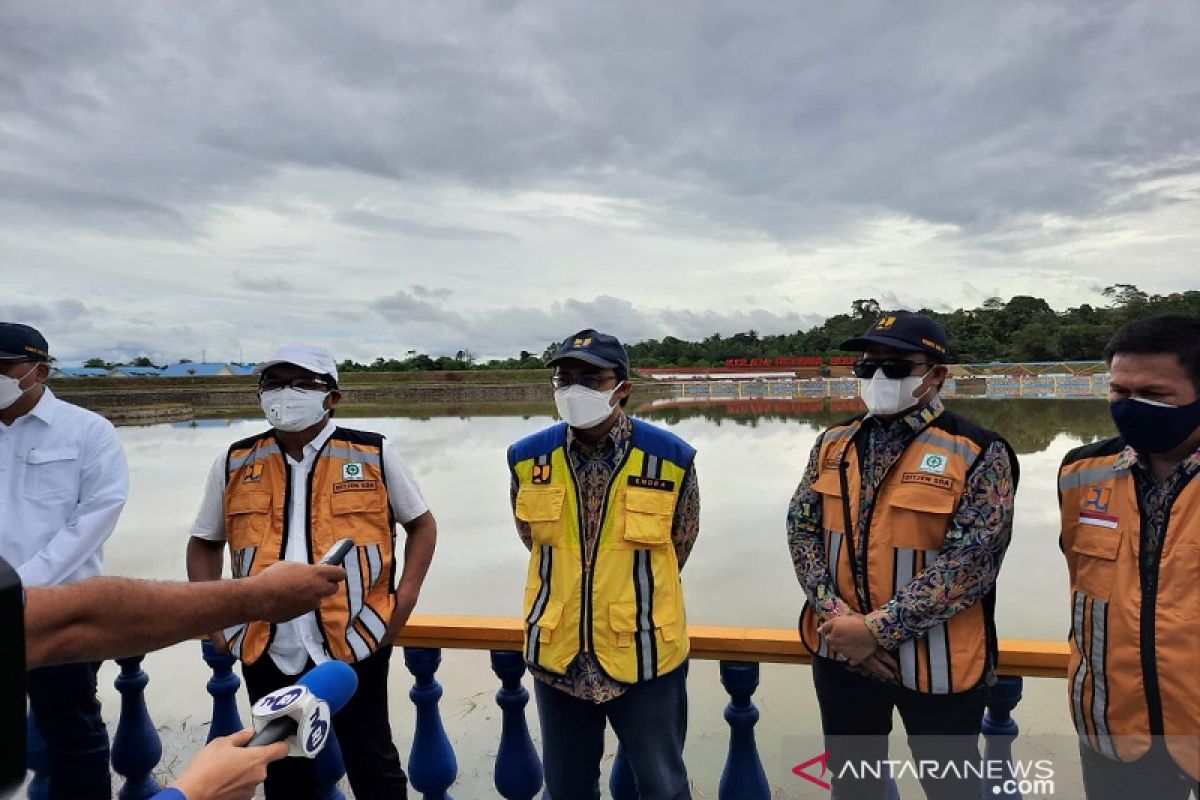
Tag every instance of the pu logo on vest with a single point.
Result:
(254, 475)
(541, 473)
(933, 464)
(1097, 499)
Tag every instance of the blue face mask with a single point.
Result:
(1150, 427)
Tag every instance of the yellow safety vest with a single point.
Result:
(623, 601)
(905, 531)
(347, 497)
(1135, 640)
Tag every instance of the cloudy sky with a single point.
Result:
(186, 179)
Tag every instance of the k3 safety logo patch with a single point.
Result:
(933, 463)
(352, 471)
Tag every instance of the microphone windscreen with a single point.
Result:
(334, 682)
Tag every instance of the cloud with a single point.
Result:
(175, 164)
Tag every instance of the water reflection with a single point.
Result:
(749, 461)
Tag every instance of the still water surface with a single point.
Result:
(739, 573)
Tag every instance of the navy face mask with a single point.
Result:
(1151, 427)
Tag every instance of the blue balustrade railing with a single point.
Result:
(432, 765)
(136, 749)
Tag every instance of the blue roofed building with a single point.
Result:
(125, 371)
(79, 372)
(201, 369)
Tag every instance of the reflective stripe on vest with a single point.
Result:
(913, 510)
(624, 603)
(348, 499)
(1109, 690)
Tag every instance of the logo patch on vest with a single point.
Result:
(651, 483)
(352, 471)
(541, 473)
(255, 474)
(1097, 499)
(831, 462)
(940, 481)
(933, 463)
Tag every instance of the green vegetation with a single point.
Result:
(1022, 329)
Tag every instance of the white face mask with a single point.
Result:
(11, 391)
(294, 409)
(582, 407)
(885, 396)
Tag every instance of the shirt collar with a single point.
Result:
(619, 433)
(1129, 458)
(917, 419)
(46, 408)
(321, 438)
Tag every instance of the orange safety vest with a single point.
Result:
(1135, 639)
(347, 497)
(905, 529)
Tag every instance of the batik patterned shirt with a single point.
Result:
(1156, 497)
(594, 469)
(969, 563)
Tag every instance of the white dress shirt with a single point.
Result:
(300, 639)
(63, 483)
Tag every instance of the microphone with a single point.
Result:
(302, 714)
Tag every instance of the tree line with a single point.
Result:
(1023, 328)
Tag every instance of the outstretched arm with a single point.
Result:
(104, 618)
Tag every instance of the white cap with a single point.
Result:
(306, 356)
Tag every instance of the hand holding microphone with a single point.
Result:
(302, 714)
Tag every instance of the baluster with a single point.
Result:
(136, 749)
(999, 731)
(518, 773)
(743, 777)
(223, 686)
(432, 767)
(329, 768)
(621, 784)
(37, 758)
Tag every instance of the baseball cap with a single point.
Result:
(904, 330)
(306, 356)
(598, 349)
(22, 341)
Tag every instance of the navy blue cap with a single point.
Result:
(22, 341)
(598, 349)
(904, 330)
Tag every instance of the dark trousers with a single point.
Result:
(856, 716)
(650, 720)
(64, 705)
(363, 731)
(1154, 776)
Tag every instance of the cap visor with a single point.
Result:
(583, 355)
(863, 342)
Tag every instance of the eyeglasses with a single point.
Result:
(589, 380)
(894, 368)
(312, 384)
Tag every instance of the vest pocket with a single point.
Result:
(920, 518)
(247, 517)
(649, 514)
(542, 508)
(549, 620)
(1095, 551)
(358, 514)
(623, 619)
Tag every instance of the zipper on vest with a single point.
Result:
(588, 556)
(843, 470)
(1149, 580)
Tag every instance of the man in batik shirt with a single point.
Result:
(897, 531)
(609, 508)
